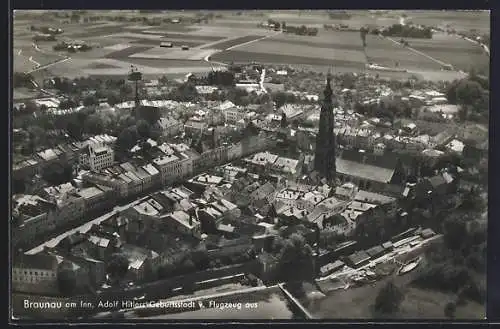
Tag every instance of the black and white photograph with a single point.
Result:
(238, 165)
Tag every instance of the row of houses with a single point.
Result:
(67, 153)
(34, 216)
(110, 182)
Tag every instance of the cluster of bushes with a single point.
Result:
(473, 96)
(22, 80)
(456, 265)
(220, 78)
(64, 46)
(49, 37)
(301, 30)
(407, 31)
(339, 15)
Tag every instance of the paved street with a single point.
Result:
(83, 228)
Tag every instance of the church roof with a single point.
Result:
(388, 161)
(364, 170)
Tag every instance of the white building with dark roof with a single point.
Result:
(35, 274)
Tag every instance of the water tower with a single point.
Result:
(135, 76)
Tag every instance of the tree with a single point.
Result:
(388, 299)
(94, 125)
(450, 309)
(200, 257)
(295, 259)
(250, 130)
(113, 99)
(163, 80)
(22, 80)
(67, 104)
(90, 100)
(75, 128)
(284, 123)
(188, 266)
(143, 129)
(66, 278)
(150, 114)
(279, 98)
(37, 137)
(126, 139)
(118, 266)
(57, 173)
(454, 232)
(363, 32)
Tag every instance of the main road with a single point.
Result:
(83, 228)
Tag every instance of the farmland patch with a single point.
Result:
(101, 66)
(189, 36)
(239, 56)
(117, 47)
(320, 44)
(173, 53)
(175, 43)
(270, 47)
(387, 53)
(233, 42)
(334, 37)
(171, 28)
(163, 63)
(127, 52)
(104, 30)
(460, 53)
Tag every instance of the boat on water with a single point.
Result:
(409, 267)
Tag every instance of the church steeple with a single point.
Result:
(324, 162)
(328, 88)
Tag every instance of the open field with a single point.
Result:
(175, 43)
(386, 53)
(270, 47)
(126, 52)
(163, 63)
(124, 43)
(172, 53)
(238, 56)
(223, 45)
(459, 20)
(460, 53)
(98, 31)
(188, 37)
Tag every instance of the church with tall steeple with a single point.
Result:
(324, 161)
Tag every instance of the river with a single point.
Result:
(269, 304)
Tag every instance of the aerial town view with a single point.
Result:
(249, 165)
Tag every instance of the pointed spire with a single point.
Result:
(328, 89)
